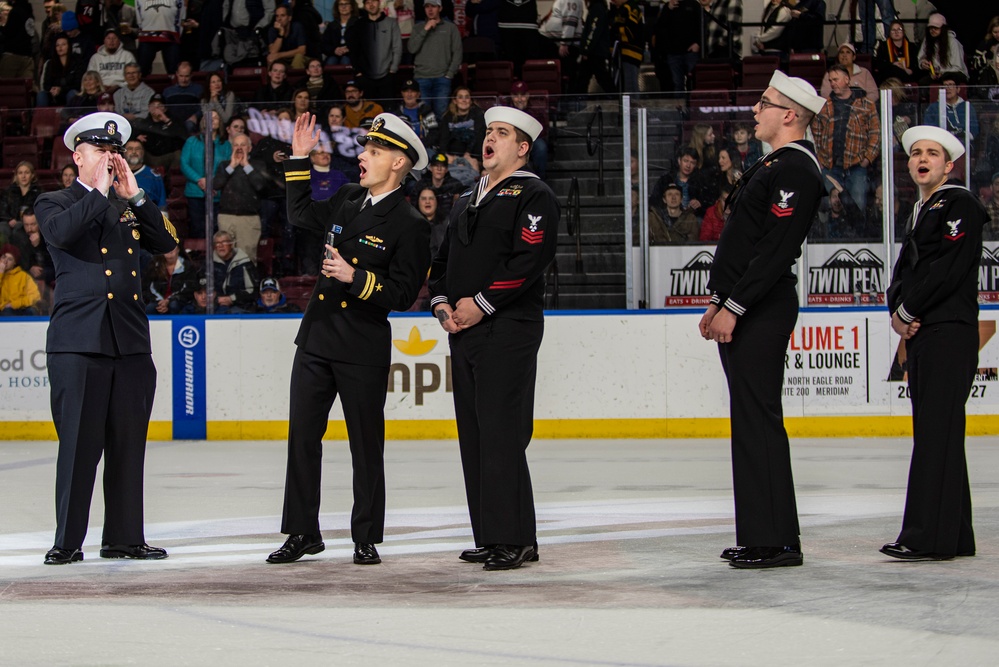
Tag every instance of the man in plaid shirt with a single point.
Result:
(847, 135)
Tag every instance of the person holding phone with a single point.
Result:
(376, 261)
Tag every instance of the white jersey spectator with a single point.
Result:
(564, 23)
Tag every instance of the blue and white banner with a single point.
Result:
(189, 379)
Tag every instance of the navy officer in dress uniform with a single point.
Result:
(753, 309)
(487, 285)
(933, 301)
(377, 257)
(99, 357)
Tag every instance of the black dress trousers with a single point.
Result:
(942, 362)
(100, 406)
(315, 384)
(494, 367)
(765, 511)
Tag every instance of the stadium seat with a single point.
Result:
(809, 66)
(18, 149)
(543, 75)
(158, 82)
(61, 156)
(298, 289)
(494, 75)
(340, 73)
(714, 76)
(757, 70)
(474, 49)
(265, 257)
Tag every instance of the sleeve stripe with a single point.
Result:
(438, 299)
(288, 174)
(904, 315)
(296, 178)
(734, 307)
(369, 285)
(481, 302)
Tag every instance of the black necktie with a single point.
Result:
(366, 204)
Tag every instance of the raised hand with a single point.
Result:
(125, 185)
(306, 135)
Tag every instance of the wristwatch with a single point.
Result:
(138, 199)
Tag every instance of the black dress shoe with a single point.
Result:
(476, 555)
(297, 546)
(760, 557)
(60, 556)
(366, 554)
(510, 556)
(732, 552)
(902, 552)
(136, 551)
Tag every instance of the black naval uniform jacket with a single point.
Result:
(936, 276)
(98, 306)
(513, 236)
(773, 206)
(389, 246)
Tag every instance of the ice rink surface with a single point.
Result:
(629, 574)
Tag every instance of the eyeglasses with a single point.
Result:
(764, 103)
(220, 244)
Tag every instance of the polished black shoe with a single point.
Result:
(902, 552)
(60, 556)
(510, 556)
(136, 551)
(760, 557)
(476, 555)
(732, 552)
(297, 546)
(366, 554)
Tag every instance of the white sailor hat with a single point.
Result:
(519, 119)
(102, 129)
(950, 143)
(390, 131)
(797, 90)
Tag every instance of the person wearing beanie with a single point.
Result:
(753, 309)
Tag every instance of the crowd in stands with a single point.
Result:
(249, 69)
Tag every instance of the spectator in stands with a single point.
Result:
(18, 293)
(35, 258)
(20, 194)
(895, 56)
(199, 304)
(670, 223)
(148, 180)
(343, 147)
(217, 98)
(694, 188)
(676, 40)
(169, 282)
(323, 88)
(272, 150)
(437, 179)
(463, 128)
(436, 48)
(420, 116)
(375, 51)
(724, 28)
(68, 175)
(483, 16)
(715, 216)
(132, 99)
(805, 31)
(903, 109)
(286, 40)
(727, 170)
(235, 277)
(702, 140)
(276, 93)
(771, 39)
(627, 30)
(986, 50)
(428, 204)
(334, 44)
(17, 61)
(987, 80)
(110, 60)
(847, 135)
(240, 184)
(184, 97)
(123, 18)
(560, 31)
(301, 102)
(518, 32)
(961, 116)
(941, 53)
(868, 22)
(192, 165)
(105, 102)
(159, 32)
(79, 43)
(305, 14)
(162, 137)
(358, 109)
(61, 75)
(520, 98)
(272, 301)
(860, 77)
(51, 26)
(839, 217)
(594, 46)
(991, 231)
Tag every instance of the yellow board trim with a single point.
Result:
(545, 429)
